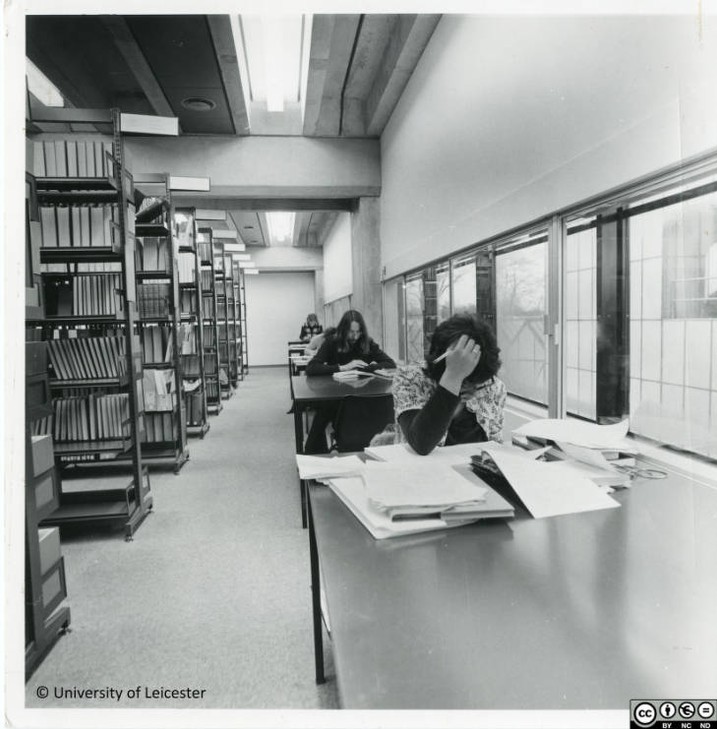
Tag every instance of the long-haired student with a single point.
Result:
(347, 347)
(455, 397)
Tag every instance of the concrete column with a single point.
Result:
(366, 265)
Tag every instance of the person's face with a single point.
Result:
(354, 332)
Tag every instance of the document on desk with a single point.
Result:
(320, 468)
(352, 492)
(403, 453)
(580, 433)
(403, 486)
(550, 488)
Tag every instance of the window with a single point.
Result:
(414, 318)
(463, 277)
(520, 309)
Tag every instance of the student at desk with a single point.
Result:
(310, 328)
(455, 397)
(348, 347)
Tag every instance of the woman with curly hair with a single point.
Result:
(455, 397)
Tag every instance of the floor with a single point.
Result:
(213, 594)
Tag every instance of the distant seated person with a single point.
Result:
(310, 328)
(458, 399)
(347, 347)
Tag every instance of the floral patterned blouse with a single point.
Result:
(412, 389)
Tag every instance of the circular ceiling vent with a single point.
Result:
(198, 103)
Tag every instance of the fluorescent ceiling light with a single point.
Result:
(272, 48)
(247, 264)
(224, 233)
(234, 248)
(41, 87)
(255, 271)
(211, 214)
(242, 256)
(281, 226)
(196, 184)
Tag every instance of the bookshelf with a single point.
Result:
(165, 432)
(194, 390)
(224, 293)
(210, 328)
(231, 319)
(239, 329)
(88, 318)
(242, 319)
(46, 618)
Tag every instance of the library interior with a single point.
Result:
(370, 362)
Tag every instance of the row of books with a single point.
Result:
(187, 268)
(71, 158)
(212, 390)
(205, 251)
(206, 279)
(187, 303)
(208, 336)
(82, 295)
(78, 226)
(153, 300)
(187, 338)
(85, 358)
(194, 405)
(190, 366)
(159, 428)
(159, 390)
(154, 254)
(156, 344)
(208, 307)
(91, 417)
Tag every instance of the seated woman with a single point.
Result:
(347, 347)
(458, 399)
(310, 328)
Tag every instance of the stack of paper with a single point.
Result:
(347, 375)
(594, 450)
(321, 468)
(420, 490)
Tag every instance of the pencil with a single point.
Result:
(443, 356)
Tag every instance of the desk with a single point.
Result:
(585, 611)
(307, 392)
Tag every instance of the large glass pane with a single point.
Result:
(464, 285)
(673, 302)
(443, 290)
(580, 321)
(392, 318)
(414, 319)
(520, 308)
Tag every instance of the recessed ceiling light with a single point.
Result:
(248, 227)
(198, 103)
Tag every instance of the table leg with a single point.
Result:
(299, 435)
(316, 599)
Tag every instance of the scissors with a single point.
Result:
(636, 472)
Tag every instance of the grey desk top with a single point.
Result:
(324, 387)
(585, 611)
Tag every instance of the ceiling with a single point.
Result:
(358, 66)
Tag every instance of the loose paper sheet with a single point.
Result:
(317, 467)
(549, 489)
(579, 432)
(418, 484)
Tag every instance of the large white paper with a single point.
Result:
(391, 485)
(318, 467)
(579, 432)
(549, 488)
(403, 453)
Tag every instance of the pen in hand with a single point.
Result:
(442, 357)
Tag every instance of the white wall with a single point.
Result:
(338, 278)
(277, 305)
(508, 118)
